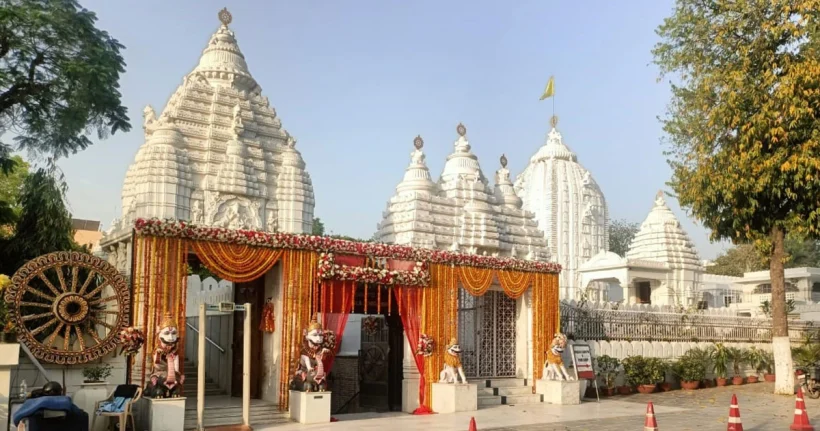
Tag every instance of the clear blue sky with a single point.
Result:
(356, 81)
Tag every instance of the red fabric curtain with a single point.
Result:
(409, 301)
(335, 312)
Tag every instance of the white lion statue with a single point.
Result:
(554, 365)
(452, 365)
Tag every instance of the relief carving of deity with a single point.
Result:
(196, 212)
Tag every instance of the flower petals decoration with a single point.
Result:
(182, 229)
(426, 346)
(419, 276)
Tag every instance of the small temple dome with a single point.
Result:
(569, 206)
(662, 239)
(417, 176)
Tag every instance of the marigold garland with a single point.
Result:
(514, 283)
(439, 320)
(476, 281)
(182, 229)
(236, 263)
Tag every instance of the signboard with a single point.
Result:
(582, 361)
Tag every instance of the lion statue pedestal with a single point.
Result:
(557, 385)
(309, 398)
(452, 393)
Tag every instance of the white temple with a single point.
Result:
(461, 211)
(661, 267)
(568, 205)
(216, 155)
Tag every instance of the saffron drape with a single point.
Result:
(334, 317)
(236, 263)
(408, 300)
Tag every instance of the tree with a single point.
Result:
(44, 225)
(59, 78)
(742, 128)
(10, 185)
(746, 258)
(318, 227)
(621, 233)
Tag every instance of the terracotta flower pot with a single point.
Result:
(737, 380)
(769, 378)
(624, 390)
(721, 381)
(665, 386)
(590, 393)
(608, 392)
(646, 389)
(752, 379)
(689, 385)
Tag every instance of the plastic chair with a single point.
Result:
(132, 394)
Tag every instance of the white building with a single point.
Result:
(568, 205)
(661, 266)
(216, 155)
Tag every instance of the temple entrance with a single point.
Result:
(486, 334)
(252, 292)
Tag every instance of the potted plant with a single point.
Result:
(690, 370)
(737, 357)
(97, 373)
(704, 357)
(720, 363)
(755, 359)
(94, 388)
(768, 365)
(664, 367)
(608, 368)
(642, 373)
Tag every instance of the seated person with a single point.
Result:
(48, 409)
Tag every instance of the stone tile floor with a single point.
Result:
(702, 410)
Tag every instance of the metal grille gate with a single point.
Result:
(486, 334)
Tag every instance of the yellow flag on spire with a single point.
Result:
(550, 90)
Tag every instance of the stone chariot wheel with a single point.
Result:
(68, 307)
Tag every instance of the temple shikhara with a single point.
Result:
(214, 292)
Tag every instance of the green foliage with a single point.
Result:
(10, 185)
(720, 356)
(746, 258)
(97, 373)
(318, 227)
(644, 371)
(608, 369)
(806, 356)
(44, 225)
(59, 78)
(737, 357)
(756, 358)
(766, 307)
(768, 362)
(689, 369)
(621, 233)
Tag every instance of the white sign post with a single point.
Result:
(582, 362)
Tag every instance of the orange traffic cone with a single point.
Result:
(801, 418)
(734, 416)
(472, 425)
(650, 424)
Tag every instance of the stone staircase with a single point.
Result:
(224, 410)
(191, 375)
(508, 392)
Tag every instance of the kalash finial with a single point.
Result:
(461, 129)
(503, 161)
(554, 121)
(418, 142)
(225, 17)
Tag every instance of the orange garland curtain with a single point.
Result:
(234, 262)
(160, 285)
(300, 285)
(476, 281)
(514, 283)
(545, 319)
(439, 320)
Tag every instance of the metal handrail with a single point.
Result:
(213, 343)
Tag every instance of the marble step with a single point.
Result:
(486, 391)
(506, 383)
(522, 390)
(522, 399)
(489, 400)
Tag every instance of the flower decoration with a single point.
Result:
(329, 341)
(426, 346)
(371, 325)
(5, 281)
(323, 244)
(418, 276)
(131, 340)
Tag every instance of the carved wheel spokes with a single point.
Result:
(375, 361)
(68, 307)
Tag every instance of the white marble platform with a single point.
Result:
(310, 407)
(451, 397)
(561, 392)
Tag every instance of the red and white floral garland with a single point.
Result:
(182, 229)
(419, 276)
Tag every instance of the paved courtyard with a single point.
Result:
(705, 409)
